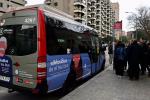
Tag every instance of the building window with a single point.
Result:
(56, 4)
(1, 4)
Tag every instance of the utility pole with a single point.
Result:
(113, 36)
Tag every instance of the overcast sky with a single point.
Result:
(129, 6)
(125, 6)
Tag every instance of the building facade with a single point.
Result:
(94, 13)
(4, 4)
(115, 12)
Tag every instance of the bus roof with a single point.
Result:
(54, 13)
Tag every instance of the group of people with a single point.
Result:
(134, 58)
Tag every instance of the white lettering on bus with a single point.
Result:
(3, 60)
(57, 62)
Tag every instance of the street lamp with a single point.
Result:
(135, 23)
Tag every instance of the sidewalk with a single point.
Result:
(107, 86)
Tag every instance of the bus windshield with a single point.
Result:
(21, 39)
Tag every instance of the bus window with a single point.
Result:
(60, 40)
(21, 39)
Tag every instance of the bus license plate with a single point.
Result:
(4, 78)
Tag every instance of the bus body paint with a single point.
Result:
(58, 68)
(86, 65)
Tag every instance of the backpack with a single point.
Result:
(120, 53)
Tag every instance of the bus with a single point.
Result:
(42, 51)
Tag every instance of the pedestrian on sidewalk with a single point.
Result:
(110, 52)
(133, 57)
(119, 58)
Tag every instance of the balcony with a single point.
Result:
(89, 9)
(89, 16)
(93, 6)
(79, 10)
(80, 3)
(98, 20)
(89, 2)
(93, 1)
(98, 9)
(98, 14)
(89, 22)
(98, 3)
(93, 18)
(93, 12)
(48, 2)
(83, 18)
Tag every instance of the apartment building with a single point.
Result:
(94, 13)
(4, 4)
(115, 13)
(115, 10)
(75, 8)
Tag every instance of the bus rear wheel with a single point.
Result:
(69, 84)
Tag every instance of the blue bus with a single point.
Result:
(42, 51)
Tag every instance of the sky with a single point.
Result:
(129, 6)
(125, 6)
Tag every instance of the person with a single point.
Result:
(143, 62)
(110, 52)
(133, 57)
(147, 59)
(119, 58)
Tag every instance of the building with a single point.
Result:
(115, 10)
(75, 8)
(94, 13)
(115, 13)
(4, 4)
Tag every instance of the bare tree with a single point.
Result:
(141, 20)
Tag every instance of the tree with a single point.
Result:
(141, 20)
(124, 39)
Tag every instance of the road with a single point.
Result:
(4, 95)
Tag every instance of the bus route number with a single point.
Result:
(29, 20)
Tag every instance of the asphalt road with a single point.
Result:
(4, 95)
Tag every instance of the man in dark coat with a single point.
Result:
(133, 56)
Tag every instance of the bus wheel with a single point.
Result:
(69, 84)
(43, 88)
(103, 66)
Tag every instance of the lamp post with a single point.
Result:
(113, 36)
(136, 33)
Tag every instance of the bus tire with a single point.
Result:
(69, 83)
(103, 66)
(43, 88)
